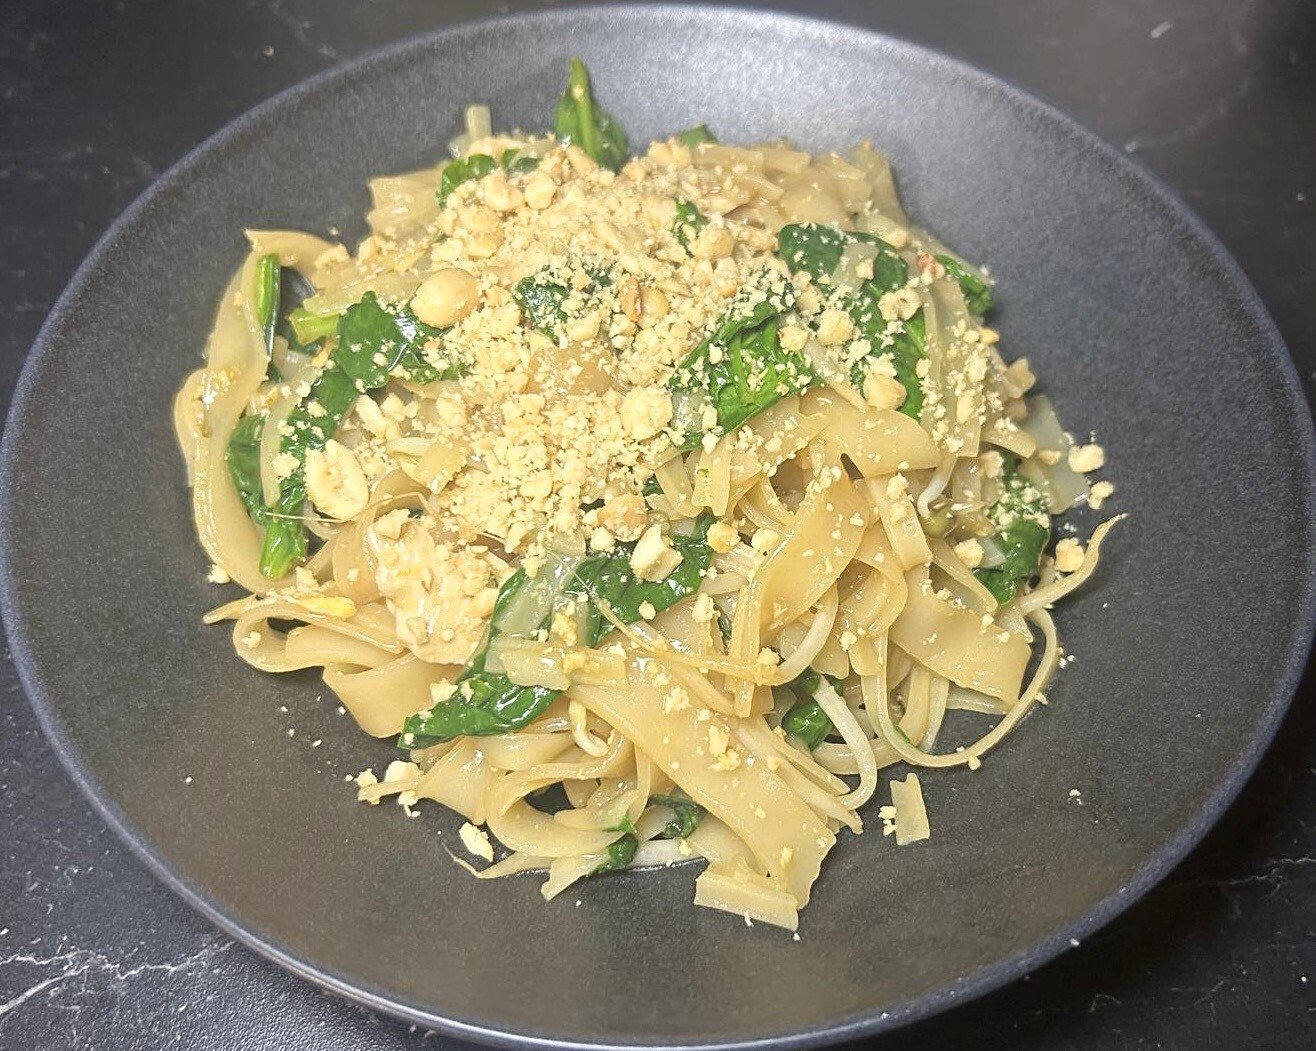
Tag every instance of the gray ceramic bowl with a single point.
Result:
(1187, 647)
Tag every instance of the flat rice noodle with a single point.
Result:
(806, 563)
(954, 643)
(678, 743)
(878, 442)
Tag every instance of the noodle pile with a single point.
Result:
(673, 505)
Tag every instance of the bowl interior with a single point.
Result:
(231, 782)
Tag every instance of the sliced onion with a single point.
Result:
(1061, 486)
(532, 606)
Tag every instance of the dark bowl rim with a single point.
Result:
(866, 1023)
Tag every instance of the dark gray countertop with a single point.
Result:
(1217, 97)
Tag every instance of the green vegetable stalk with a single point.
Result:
(580, 120)
(268, 273)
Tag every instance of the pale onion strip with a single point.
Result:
(1043, 597)
(563, 872)
(711, 487)
(856, 740)
(510, 866)
(938, 694)
(658, 852)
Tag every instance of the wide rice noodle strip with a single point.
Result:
(189, 417)
(312, 645)
(524, 749)
(879, 442)
(1045, 670)
(945, 559)
(769, 439)
(370, 624)
(747, 894)
(572, 766)
(822, 541)
(716, 842)
(380, 699)
(802, 773)
(953, 642)
(236, 361)
(883, 195)
(755, 734)
(459, 779)
(856, 740)
(1043, 597)
(679, 744)
(895, 507)
(521, 827)
(872, 607)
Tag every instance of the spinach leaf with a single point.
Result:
(514, 162)
(977, 294)
(806, 720)
(688, 222)
(1022, 531)
(741, 368)
(692, 137)
(580, 120)
(542, 297)
(685, 816)
(463, 170)
(267, 296)
(373, 342)
(817, 250)
(620, 853)
(490, 703)
(243, 459)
